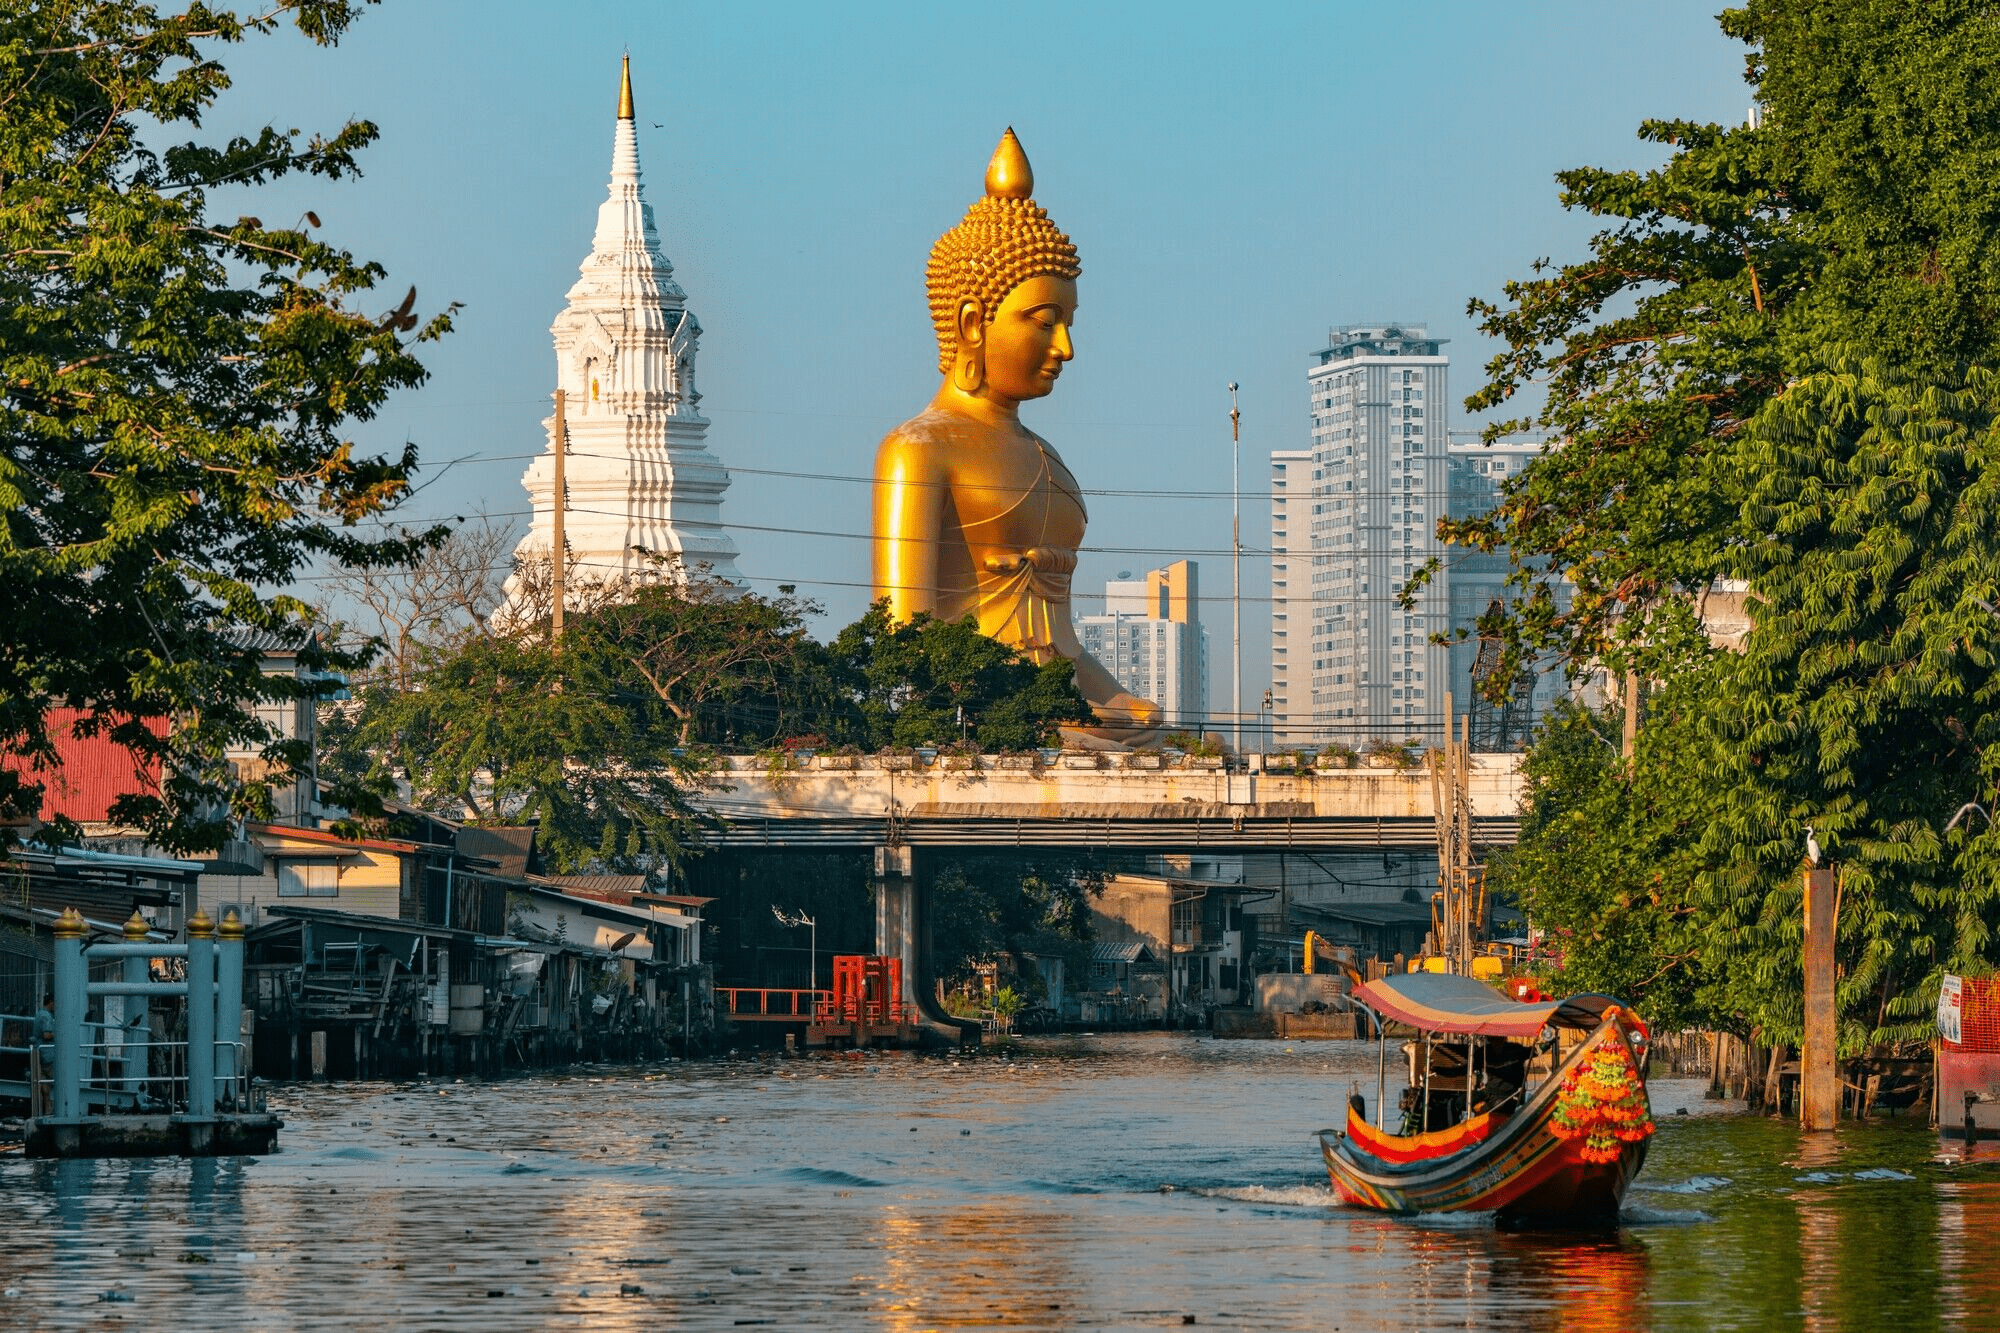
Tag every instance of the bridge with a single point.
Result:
(912, 808)
(1140, 802)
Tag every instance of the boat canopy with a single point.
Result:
(1439, 1002)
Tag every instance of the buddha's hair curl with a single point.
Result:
(1000, 245)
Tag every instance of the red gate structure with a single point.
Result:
(865, 1006)
(1968, 1061)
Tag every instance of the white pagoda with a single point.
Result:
(639, 476)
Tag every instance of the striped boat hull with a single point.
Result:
(1519, 1167)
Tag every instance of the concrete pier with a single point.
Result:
(115, 1092)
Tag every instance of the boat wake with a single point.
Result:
(1277, 1196)
(819, 1175)
(1454, 1221)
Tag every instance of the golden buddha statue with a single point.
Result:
(974, 513)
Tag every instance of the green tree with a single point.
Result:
(1778, 368)
(982, 906)
(921, 682)
(729, 667)
(512, 729)
(599, 736)
(174, 391)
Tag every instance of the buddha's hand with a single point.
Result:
(1047, 559)
(1129, 710)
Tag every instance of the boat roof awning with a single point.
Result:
(1439, 1002)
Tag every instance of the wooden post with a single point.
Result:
(1631, 739)
(561, 499)
(1819, 1082)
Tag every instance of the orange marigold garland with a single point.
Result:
(1603, 1103)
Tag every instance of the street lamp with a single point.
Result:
(1236, 568)
(801, 919)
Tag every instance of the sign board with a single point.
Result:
(1951, 998)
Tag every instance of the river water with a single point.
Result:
(1138, 1181)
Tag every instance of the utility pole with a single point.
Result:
(1236, 569)
(556, 550)
(1457, 918)
(1631, 738)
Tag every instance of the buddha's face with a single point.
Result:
(1028, 340)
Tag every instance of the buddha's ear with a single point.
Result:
(971, 323)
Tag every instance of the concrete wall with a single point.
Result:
(1076, 785)
(1283, 993)
(1135, 908)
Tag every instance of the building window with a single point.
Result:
(308, 879)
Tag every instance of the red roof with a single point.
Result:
(89, 774)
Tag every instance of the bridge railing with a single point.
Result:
(769, 1004)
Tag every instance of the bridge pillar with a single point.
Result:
(896, 913)
(900, 933)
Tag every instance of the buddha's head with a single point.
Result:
(1003, 288)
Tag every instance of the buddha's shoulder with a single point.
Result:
(924, 440)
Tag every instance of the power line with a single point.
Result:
(798, 581)
(857, 479)
(1391, 551)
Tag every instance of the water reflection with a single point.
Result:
(1129, 1182)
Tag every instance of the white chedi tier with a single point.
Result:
(639, 474)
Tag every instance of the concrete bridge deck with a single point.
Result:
(1140, 802)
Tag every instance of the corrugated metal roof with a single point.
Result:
(1128, 952)
(89, 774)
(611, 888)
(510, 846)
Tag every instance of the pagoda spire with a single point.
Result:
(640, 483)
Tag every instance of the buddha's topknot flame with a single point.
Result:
(1005, 239)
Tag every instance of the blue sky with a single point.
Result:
(1237, 178)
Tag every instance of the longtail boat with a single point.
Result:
(1533, 1110)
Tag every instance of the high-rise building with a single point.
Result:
(1291, 589)
(640, 478)
(1474, 580)
(1352, 520)
(1151, 639)
(1359, 522)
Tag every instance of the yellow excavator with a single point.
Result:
(1324, 956)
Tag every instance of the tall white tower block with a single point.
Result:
(639, 472)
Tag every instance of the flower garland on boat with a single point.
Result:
(1604, 1103)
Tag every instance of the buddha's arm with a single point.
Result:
(909, 520)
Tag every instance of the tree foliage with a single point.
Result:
(1776, 368)
(982, 906)
(602, 735)
(925, 681)
(174, 391)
